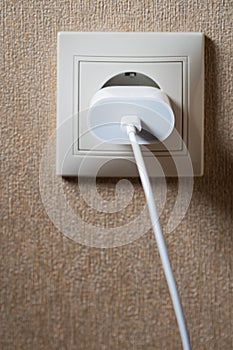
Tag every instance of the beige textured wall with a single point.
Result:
(57, 294)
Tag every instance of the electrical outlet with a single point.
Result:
(89, 61)
(168, 76)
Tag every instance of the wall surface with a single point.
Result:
(58, 294)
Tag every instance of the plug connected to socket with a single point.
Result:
(150, 104)
(89, 62)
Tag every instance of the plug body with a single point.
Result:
(151, 105)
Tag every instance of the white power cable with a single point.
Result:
(131, 127)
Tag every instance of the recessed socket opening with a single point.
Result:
(131, 79)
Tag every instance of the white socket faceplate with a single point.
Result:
(86, 61)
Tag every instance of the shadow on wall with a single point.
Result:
(216, 184)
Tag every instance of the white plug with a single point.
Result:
(110, 104)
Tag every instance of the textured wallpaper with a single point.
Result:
(58, 294)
